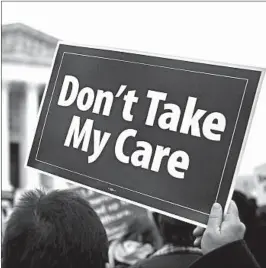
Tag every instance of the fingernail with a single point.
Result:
(216, 206)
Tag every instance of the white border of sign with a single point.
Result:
(167, 57)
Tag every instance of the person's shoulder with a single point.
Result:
(147, 263)
(138, 264)
(168, 260)
(235, 254)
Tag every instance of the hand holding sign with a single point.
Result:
(220, 230)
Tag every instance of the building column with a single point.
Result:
(29, 176)
(5, 150)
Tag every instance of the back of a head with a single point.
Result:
(247, 208)
(174, 231)
(54, 230)
(140, 229)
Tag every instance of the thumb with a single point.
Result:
(232, 212)
(215, 217)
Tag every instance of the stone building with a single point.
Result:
(26, 63)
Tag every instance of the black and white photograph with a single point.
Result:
(133, 134)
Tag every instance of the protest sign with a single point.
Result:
(115, 214)
(162, 133)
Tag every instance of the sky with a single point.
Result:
(222, 32)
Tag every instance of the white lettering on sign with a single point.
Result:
(107, 219)
(214, 122)
(143, 155)
(190, 119)
(130, 98)
(84, 135)
(85, 97)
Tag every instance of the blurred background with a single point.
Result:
(27, 55)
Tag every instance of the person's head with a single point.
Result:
(174, 231)
(140, 229)
(247, 208)
(135, 245)
(261, 211)
(54, 230)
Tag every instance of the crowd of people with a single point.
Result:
(60, 229)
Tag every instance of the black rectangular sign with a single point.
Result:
(160, 132)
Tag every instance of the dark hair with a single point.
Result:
(141, 229)
(247, 208)
(174, 231)
(54, 230)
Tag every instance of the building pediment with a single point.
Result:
(23, 44)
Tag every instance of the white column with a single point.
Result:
(29, 177)
(5, 155)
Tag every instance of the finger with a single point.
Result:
(232, 212)
(216, 217)
(197, 241)
(198, 231)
